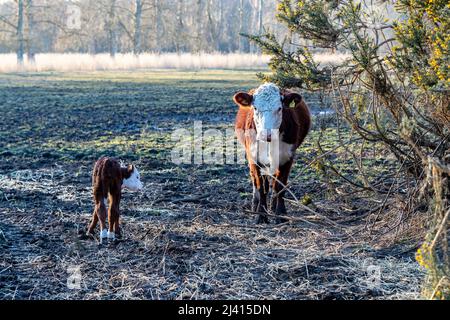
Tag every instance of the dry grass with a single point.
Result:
(192, 248)
(129, 61)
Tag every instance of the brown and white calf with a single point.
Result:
(108, 179)
(271, 131)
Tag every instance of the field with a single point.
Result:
(189, 234)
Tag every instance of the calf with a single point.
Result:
(271, 131)
(108, 179)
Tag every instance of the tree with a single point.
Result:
(20, 37)
(31, 32)
(179, 26)
(200, 25)
(392, 91)
(212, 36)
(260, 16)
(111, 24)
(137, 26)
(157, 25)
(244, 13)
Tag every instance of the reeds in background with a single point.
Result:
(129, 61)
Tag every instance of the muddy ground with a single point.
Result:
(189, 234)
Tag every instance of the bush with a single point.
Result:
(393, 90)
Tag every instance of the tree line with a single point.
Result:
(28, 27)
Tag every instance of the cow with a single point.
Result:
(271, 131)
(109, 177)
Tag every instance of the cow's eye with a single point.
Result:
(279, 109)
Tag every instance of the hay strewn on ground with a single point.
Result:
(189, 234)
(181, 250)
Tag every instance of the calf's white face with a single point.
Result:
(134, 181)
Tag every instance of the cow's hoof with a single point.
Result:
(280, 211)
(261, 219)
(279, 220)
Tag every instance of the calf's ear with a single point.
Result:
(243, 99)
(290, 97)
(127, 171)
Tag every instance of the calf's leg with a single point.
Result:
(113, 217)
(101, 214)
(94, 221)
(113, 213)
(117, 228)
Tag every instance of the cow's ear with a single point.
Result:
(130, 169)
(290, 97)
(243, 99)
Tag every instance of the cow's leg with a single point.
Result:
(260, 190)
(279, 184)
(94, 220)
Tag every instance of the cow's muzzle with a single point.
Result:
(265, 136)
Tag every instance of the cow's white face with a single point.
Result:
(267, 111)
(134, 181)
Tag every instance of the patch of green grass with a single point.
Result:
(57, 117)
(123, 146)
(172, 77)
(80, 115)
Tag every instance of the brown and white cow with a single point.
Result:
(108, 179)
(271, 131)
